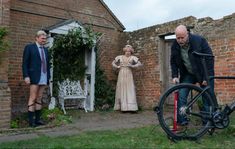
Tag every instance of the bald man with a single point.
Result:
(186, 67)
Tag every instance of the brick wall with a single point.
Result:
(28, 16)
(4, 22)
(5, 93)
(146, 78)
(5, 106)
(220, 35)
(146, 44)
(25, 17)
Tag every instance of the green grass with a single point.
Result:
(145, 137)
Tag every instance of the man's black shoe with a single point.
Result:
(32, 125)
(39, 123)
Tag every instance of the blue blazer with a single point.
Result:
(31, 65)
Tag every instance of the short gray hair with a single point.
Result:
(41, 32)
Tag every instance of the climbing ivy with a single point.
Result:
(104, 92)
(3, 42)
(68, 54)
(68, 62)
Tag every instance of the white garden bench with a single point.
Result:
(71, 90)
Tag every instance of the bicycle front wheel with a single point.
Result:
(185, 111)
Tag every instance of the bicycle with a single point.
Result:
(201, 118)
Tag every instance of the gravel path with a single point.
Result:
(87, 122)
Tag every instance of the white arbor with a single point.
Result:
(90, 60)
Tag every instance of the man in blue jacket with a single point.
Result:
(186, 67)
(36, 73)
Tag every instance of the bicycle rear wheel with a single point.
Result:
(197, 111)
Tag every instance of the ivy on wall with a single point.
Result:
(68, 62)
(3, 43)
(104, 92)
(68, 53)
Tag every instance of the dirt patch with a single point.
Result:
(116, 120)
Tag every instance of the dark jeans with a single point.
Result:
(183, 94)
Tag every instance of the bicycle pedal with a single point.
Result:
(232, 106)
(211, 131)
(227, 110)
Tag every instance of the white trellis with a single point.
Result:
(90, 60)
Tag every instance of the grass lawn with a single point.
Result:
(145, 137)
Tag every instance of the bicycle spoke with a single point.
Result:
(185, 116)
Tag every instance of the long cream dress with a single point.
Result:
(125, 98)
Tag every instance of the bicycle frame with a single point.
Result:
(202, 113)
(209, 78)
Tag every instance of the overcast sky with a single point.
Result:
(136, 14)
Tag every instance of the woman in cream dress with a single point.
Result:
(125, 98)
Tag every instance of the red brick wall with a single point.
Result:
(146, 42)
(220, 35)
(5, 13)
(25, 17)
(28, 16)
(5, 106)
(4, 22)
(146, 78)
(225, 66)
(5, 93)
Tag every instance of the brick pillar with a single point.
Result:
(5, 105)
(5, 92)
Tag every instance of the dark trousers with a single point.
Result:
(183, 94)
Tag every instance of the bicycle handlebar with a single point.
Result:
(202, 54)
(221, 77)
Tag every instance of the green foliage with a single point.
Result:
(200, 102)
(3, 43)
(55, 117)
(68, 53)
(20, 121)
(104, 92)
(15, 123)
